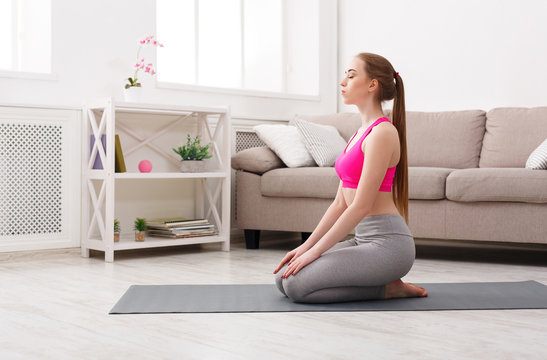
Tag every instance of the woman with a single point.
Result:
(370, 265)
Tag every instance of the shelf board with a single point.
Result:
(170, 175)
(149, 108)
(128, 242)
(102, 174)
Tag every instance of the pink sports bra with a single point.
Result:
(350, 165)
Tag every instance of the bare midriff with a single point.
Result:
(384, 203)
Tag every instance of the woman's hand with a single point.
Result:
(295, 266)
(292, 255)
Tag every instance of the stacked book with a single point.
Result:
(180, 227)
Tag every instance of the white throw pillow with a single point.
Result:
(538, 158)
(323, 142)
(285, 142)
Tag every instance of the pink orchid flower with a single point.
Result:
(148, 68)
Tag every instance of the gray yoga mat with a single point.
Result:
(221, 298)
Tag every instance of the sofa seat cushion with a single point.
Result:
(427, 183)
(311, 182)
(497, 184)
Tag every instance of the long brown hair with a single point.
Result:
(379, 68)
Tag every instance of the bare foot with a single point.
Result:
(399, 289)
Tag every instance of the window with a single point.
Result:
(26, 27)
(258, 45)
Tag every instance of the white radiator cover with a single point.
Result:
(40, 172)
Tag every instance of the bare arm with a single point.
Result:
(335, 210)
(347, 221)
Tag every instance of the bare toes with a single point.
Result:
(419, 287)
(423, 291)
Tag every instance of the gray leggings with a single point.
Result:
(357, 269)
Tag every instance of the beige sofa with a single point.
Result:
(467, 178)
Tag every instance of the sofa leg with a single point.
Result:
(305, 236)
(251, 238)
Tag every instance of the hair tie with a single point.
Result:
(395, 75)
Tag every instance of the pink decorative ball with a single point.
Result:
(145, 166)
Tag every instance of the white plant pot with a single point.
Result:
(132, 94)
(192, 165)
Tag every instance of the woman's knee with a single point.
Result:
(279, 280)
(294, 289)
(279, 284)
(289, 286)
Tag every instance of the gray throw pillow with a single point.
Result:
(323, 142)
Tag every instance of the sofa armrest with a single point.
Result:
(256, 160)
(259, 159)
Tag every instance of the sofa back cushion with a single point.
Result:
(512, 134)
(447, 139)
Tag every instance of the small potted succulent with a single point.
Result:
(140, 228)
(192, 155)
(116, 230)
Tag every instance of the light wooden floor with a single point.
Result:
(54, 305)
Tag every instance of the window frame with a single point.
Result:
(20, 74)
(15, 74)
(244, 91)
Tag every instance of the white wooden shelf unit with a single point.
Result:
(94, 216)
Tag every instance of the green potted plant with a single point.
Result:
(140, 227)
(192, 155)
(116, 230)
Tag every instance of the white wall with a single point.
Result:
(94, 45)
(452, 55)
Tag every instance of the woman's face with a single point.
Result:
(356, 86)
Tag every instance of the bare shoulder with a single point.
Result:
(384, 132)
